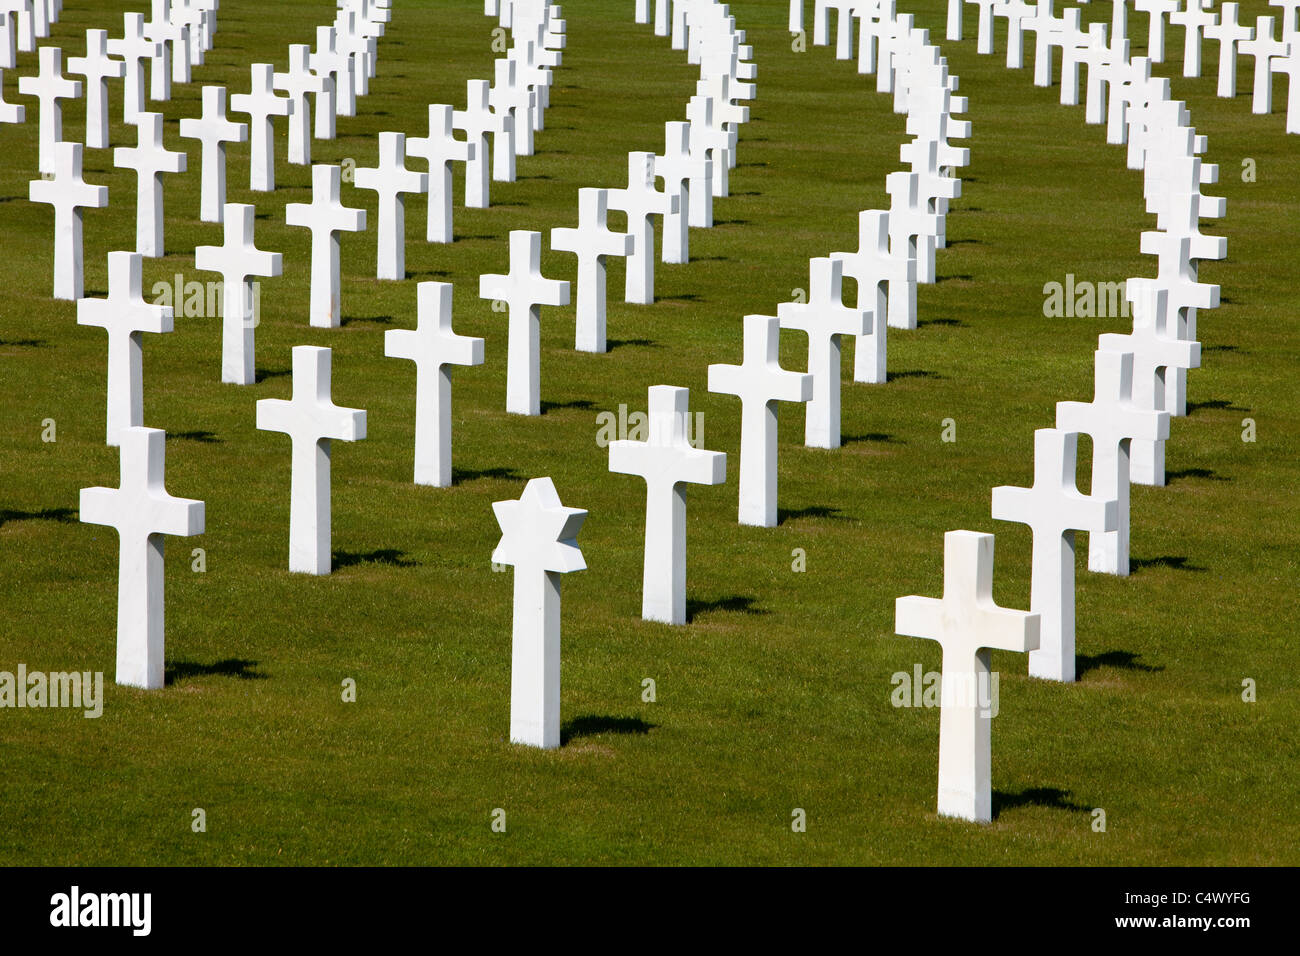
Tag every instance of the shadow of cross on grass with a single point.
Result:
(390, 556)
(1053, 798)
(591, 725)
(1125, 660)
(237, 667)
(67, 515)
(735, 602)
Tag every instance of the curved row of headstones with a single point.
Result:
(1273, 56)
(1127, 422)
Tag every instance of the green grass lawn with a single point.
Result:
(776, 695)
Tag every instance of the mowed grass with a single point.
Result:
(776, 695)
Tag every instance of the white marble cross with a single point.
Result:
(327, 62)
(641, 200)
(478, 120)
(967, 624)
(592, 241)
(1016, 13)
(1263, 49)
(1156, 10)
(440, 149)
(68, 193)
(150, 159)
(523, 291)
(511, 98)
(667, 462)
(1054, 509)
(173, 62)
(213, 131)
(912, 227)
(391, 180)
(760, 382)
(49, 86)
(97, 67)
(325, 216)
(124, 314)
(311, 419)
(886, 280)
(1194, 17)
(142, 512)
(824, 317)
(299, 82)
(237, 260)
(682, 173)
(1112, 420)
(1157, 355)
(539, 538)
(434, 348)
(1046, 27)
(10, 112)
(710, 140)
(261, 104)
(1229, 33)
(1290, 67)
(134, 48)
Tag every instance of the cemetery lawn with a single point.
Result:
(777, 694)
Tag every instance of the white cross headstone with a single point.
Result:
(160, 65)
(1263, 49)
(299, 82)
(311, 419)
(213, 131)
(967, 624)
(142, 512)
(523, 291)
(325, 216)
(667, 462)
(824, 317)
(1112, 420)
(97, 67)
(478, 120)
(134, 48)
(340, 99)
(641, 201)
(912, 227)
(262, 105)
(1229, 33)
(440, 149)
(1054, 509)
(760, 382)
(150, 159)
(539, 538)
(391, 180)
(10, 112)
(1017, 13)
(1157, 356)
(124, 314)
(49, 86)
(237, 260)
(1156, 11)
(682, 173)
(434, 348)
(886, 280)
(1194, 17)
(68, 193)
(592, 241)
(1290, 66)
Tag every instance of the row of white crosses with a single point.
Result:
(140, 508)
(1126, 422)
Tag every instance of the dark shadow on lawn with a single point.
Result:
(962, 276)
(391, 556)
(462, 475)
(915, 373)
(371, 319)
(1053, 798)
(579, 403)
(203, 437)
(1177, 562)
(264, 373)
(1214, 404)
(230, 667)
(963, 242)
(611, 344)
(66, 515)
(1209, 474)
(812, 511)
(590, 725)
(870, 437)
(24, 343)
(1124, 660)
(955, 323)
(736, 602)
